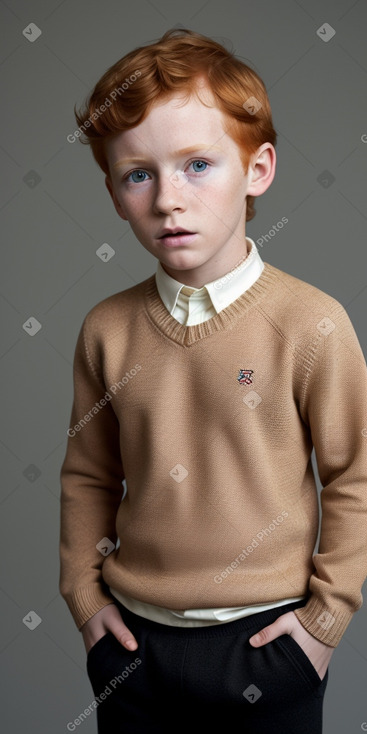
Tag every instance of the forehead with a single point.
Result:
(176, 121)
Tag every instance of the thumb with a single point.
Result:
(281, 626)
(123, 635)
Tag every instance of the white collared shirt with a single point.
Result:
(205, 302)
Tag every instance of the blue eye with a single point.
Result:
(139, 175)
(138, 172)
(200, 163)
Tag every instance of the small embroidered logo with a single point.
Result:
(244, 377)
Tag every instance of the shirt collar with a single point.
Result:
(222, 291)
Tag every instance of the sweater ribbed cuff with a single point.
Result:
(326, 623)
(85, 602)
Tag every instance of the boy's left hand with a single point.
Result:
(318, 652)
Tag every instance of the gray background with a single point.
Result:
(56, 212)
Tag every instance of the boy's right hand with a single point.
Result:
(108, 619)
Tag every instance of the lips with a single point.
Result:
(178, 239)
(172, 232)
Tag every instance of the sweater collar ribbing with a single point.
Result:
(188, 335)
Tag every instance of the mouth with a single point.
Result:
(176, 236)
(180, 237)
(171, 231)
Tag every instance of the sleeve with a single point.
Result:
(334, 406)
(91, 488)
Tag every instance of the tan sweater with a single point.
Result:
(192, 306)
(212, 426)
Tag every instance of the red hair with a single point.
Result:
(124, 95)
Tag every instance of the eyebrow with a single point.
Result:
(184, 151)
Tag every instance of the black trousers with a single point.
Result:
(205, 680)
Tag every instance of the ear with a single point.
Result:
(261, 170)
(114, 198)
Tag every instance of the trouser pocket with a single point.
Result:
(302, 664)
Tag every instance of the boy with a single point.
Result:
(205, 387)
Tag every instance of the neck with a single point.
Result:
(208, 272)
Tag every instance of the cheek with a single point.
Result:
(209, 196)
(233, 196)
(221, 206)
(135, 204)
(216, 200)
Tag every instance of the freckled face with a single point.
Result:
(178, 168)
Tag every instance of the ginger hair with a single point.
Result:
(169, 66)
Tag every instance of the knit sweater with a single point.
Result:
(191, 306)
(212, 427)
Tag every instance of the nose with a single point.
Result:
(170, 192)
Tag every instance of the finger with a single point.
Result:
(124, 636)
(281, 626)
